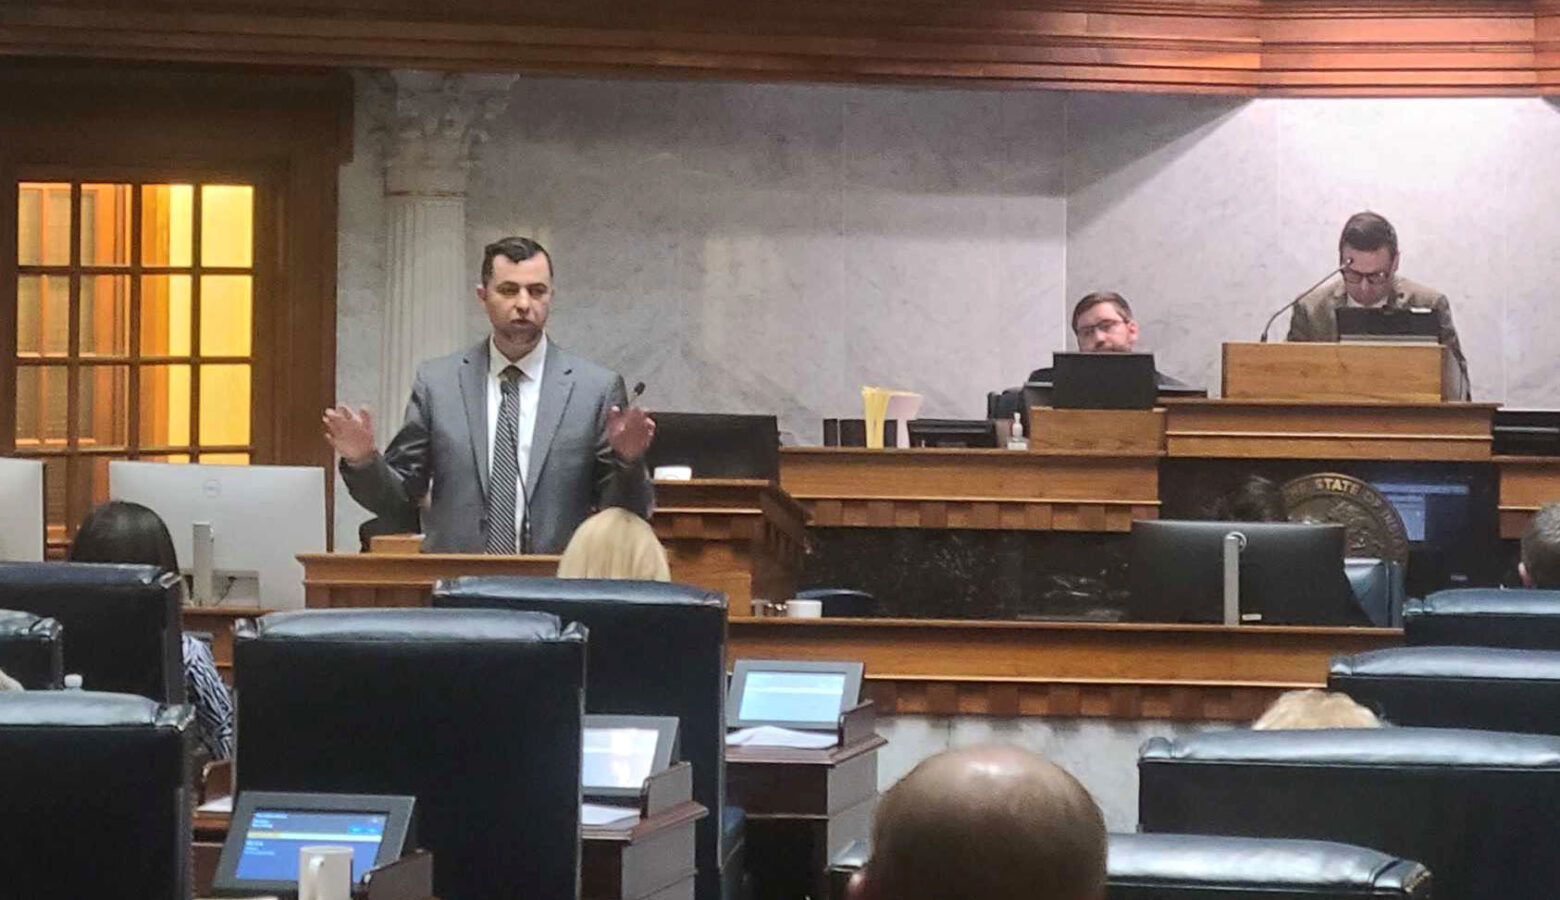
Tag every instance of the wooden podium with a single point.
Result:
(743, 537)
(1341, 372)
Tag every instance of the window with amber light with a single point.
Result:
(134, 331)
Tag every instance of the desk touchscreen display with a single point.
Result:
(270, 850)
(792, 696)
(618, 757)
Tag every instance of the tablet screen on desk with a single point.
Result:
(268, 828)
(270, 850)
(620, 752)
(807, 695)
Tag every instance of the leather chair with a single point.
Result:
(1200, 867)
(655, 649)
(1484, 617)
(31, 650)
(1481, 809)
(476, 713)
(96, 797)
(1490, 688)
(122, 626)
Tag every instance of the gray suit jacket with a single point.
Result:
(441, 450)
(1315, 317)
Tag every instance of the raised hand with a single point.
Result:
(629, 432)
(351, 434)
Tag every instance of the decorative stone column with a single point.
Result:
(438, 121)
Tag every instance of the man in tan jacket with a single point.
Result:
(1368, 250)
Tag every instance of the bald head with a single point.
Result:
(994, 822)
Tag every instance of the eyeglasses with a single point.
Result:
(1101, 327)
(1373, 278)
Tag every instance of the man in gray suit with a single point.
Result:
(1368, 255)
(515, 441)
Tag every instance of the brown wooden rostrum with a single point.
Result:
(1526, 483)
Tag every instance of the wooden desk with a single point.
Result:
(992, 489)
(804, 806)
(1111, 670)
(1295, 429)
(1526, 483)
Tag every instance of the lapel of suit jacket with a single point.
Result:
(473, 391)
(557, 384)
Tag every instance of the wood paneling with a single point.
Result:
(1526, 483)
(1097, 432)
(1340, 372)
(949, 488)
(941, 667)
(1296, 430)
(1384, 47)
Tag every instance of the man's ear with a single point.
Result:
(1527, 580)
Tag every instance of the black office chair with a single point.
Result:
(476, 713)
(1489, 688)
(95, 796)
(31, 650)
(122, 626)
(1199, 867)
(655, 649)
(1477, 807)
(1484, 617)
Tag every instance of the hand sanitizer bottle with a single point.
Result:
(1016, 439)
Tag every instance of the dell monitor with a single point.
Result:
(21, 495)
(260, 518)
(1290, 573)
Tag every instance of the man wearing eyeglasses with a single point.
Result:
(1102, 322)
(1368, 252)
(514, 441)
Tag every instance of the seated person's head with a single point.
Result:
(990, 822)
(1540, 566)
(1103, 323)
(1257, 499)
(120, 532)
(614, 543)
(1297, 710)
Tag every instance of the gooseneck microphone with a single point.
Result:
(1290, 305)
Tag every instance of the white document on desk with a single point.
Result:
(604, 814)
(219, 805)
(774, 736)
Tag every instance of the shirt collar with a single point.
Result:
(530, 364)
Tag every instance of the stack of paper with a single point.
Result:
(773, 736)
(879, 404)
(605, 814)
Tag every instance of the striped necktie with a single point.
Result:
(504, 468)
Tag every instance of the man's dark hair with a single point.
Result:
(1541, 547)
(1256, 499)
(1369, 232)
(515, 249)
(1095, 299)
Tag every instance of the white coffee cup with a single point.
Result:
(804, 609)
(325, 873)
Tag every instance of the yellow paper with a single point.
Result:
(875, 403)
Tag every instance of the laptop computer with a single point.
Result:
(1103, 381)
(1388, 323)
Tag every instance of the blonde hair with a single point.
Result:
(7, 683)
(1315, 709)
(614, 543)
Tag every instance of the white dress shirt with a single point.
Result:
(530, 389)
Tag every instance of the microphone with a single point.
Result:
(1290, 305)
(639, 388)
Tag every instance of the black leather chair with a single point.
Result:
(95, 795)
(655, 649)
(31, 650)
(122, 626)
(476, 713)
(1200, 867)
(1484, 617)
(1481, 809)
(1490, 688)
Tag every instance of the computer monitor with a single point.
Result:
(952, 433)
(717, 445)
(261, 518)
(268, 828)
(792, 693)
(620, 752)
(21, 495)
(1388, 323)
(1291, 573)
(1103, 381)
